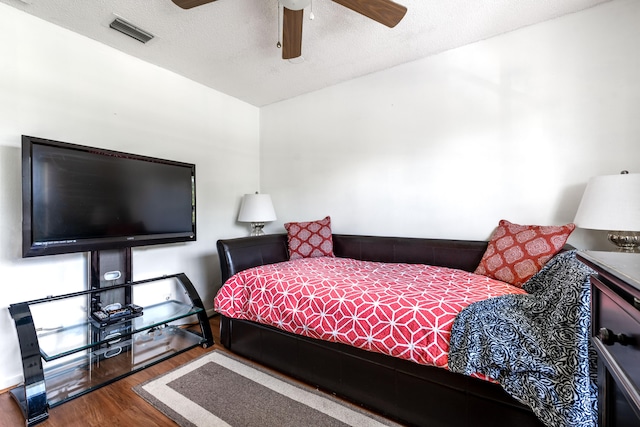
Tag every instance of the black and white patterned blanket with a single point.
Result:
(537, 346)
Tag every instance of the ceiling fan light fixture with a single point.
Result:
(295, 4)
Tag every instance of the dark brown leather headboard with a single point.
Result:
(461, 254)
(246, 252)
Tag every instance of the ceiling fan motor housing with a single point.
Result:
(295, 4)
(386, 12)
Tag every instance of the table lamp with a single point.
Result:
(612, 203)
(256, 209)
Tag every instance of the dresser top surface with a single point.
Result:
(625, 266)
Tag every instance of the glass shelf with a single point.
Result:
(62, 341)
(65, 353)
(81, 372)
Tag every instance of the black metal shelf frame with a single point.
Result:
(31, 396)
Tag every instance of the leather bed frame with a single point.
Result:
(407, 392)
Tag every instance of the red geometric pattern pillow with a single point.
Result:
(517, 252)
(310, 239)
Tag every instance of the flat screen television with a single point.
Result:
(77, 198)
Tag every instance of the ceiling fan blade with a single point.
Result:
(292, 33)
(385, 12)
(188, 4)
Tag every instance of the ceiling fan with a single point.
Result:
(385, 12)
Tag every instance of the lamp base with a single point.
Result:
(626, 241)
(256, 228)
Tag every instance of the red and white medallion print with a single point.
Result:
(310, 239)
(403, 310)
(516, 252)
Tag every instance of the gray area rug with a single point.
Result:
(218, 389)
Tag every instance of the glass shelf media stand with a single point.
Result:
(66, 353)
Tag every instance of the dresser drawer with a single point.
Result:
(615, 299)
(621, 320)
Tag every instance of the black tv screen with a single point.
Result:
(77, 198)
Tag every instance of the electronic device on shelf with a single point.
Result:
(115, 338)
(113, 313)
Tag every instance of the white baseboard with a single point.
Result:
(8, 383)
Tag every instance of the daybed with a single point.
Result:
(411, 393)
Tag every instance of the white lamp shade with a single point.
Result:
(611, 202)
(256, 208)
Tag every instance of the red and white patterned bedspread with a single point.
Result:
(404, 310)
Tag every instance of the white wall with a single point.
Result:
(58, 85)
(511, 127)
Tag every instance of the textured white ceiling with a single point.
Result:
(230, 45)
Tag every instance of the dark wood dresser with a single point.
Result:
(615, 326)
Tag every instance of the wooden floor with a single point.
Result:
(111, 406)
